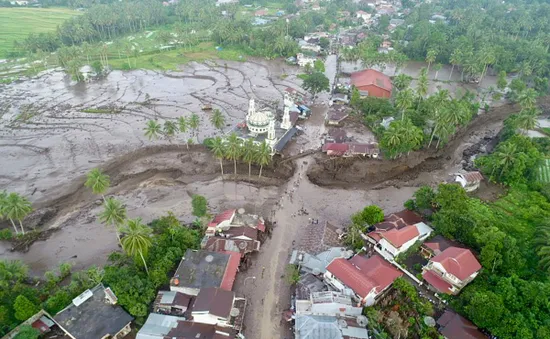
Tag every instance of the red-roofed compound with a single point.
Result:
(454, 266)
(367, 278)
(372, 82)
(398, 232)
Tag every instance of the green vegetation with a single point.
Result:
(480, 35)
(292, 274)
(315, 82)
(200, 205)
(17, 23)
(511, 235)
(369, 216)
(14, 207)
(543, 174)
(401, 313)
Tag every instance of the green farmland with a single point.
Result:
(18, 23)
(544, 172)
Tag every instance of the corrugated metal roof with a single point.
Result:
(157, 326)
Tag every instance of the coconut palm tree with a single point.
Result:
(194, 124)
(3, 204)
(542, 243)
(263, 156)
(430, 57)
(506, 155)
(152, 130)
(97, 181)
(17, 208)
(218, 148)
(527, 119)
(249, 153)
(137, 239)
(404, 100)
(233, 150)
(527, 98)
(422, 85)
(183, 126)
(170, 129)
(114, 214)
(402, 81)
(217, 119)
(455, 60)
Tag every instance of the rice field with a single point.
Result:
(544, 171)
(18, 23)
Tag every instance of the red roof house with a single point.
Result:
(451, 270)
(398, 232)
(366, 277)
(453, 326)
(372, 82)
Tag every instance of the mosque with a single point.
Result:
(262, 125)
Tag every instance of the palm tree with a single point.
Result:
(137, 239)
(404, 100)
(402, 81)
(506, 155)
(97, 181)
(17, 208)
(170, 129)
(233, 150)
(455, 60)
(542, 243)
(114, 213)
(422, 85)
(263, 156)
(218, 148)
(183, 125)
(527, 119)
(527, 98)
(3, 204)
(152, 130)
(12, 271)
(217, 119)
(249, 153)
(194, 123)
(430, 57)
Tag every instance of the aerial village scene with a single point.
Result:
(309, 169)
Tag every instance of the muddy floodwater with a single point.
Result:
(53, 131)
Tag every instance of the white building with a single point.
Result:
(304, 60)
(397, 240)
(469, 181)
(328, 303)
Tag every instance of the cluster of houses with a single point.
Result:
(200, 302)
(335, 284)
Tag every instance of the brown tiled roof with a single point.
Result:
(397, 237)
(436, 281)
(193, 330)
(438, 244)
(319, 237)
(371, 77)
(453, 326)
(473, 177)
(459, 262)
(362, 274)
(214, 301)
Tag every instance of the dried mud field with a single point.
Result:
(49, 140)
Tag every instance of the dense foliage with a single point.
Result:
(22, 296)
(510, 36)
(508, 237)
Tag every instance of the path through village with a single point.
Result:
(264, 284)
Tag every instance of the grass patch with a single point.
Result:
(302, 76)
(170, 60)
(18, 23)
(545, 130)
